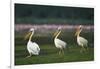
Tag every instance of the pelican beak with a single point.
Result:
(55, 33)
(76, 32)
(27, 35)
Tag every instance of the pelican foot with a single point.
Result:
(29, 56)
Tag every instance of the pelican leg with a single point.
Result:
(87, 48)
(62, 51)
(29, 55)
(59, 51)
(83, 49)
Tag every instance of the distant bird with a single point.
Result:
(32, 47)
(59, 43)
(80, 40)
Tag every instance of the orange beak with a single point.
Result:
(77, 31)
(55, 33)
(27, 35)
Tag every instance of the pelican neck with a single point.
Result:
(30, 38)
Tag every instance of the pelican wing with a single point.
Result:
(33, 48)
(37, 46)
(60, 43)
(82, 40)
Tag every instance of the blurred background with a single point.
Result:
(39, 14)
(46, 19)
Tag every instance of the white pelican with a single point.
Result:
(59, 43)
(80, 40)
(32, 47)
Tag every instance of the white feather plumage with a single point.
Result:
(32, 47)
(82, 41)
(59, 43)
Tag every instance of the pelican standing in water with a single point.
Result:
(32, 47)
(80, 40)
(59, 43)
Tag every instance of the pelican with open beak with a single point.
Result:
(61, 45)
(80, 40)
(32, 47)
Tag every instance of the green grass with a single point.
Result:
(49, 54)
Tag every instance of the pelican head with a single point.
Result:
(29, 33)
(31, 30)
(80, 27)
(58, 30)
(78, 30)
